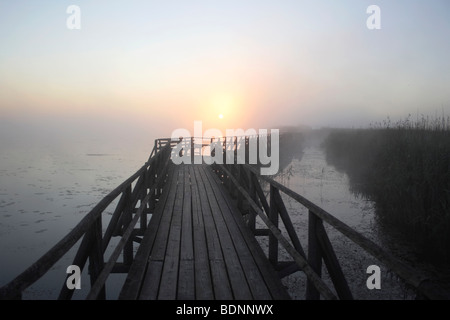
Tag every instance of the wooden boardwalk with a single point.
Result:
(197, 246)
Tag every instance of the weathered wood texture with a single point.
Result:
(200, 241)
(94, 244)
(198, 247)
(320, 248)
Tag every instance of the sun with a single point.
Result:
(220, 116)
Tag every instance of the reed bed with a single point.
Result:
(405, 168)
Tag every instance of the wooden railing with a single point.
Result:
(237, 147)
(137, 197)
(245, 184)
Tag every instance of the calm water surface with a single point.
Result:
(45, 190)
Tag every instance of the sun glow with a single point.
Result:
(223, 106)
(222, 110)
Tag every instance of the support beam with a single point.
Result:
(314, 256)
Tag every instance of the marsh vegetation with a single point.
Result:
(404, 167)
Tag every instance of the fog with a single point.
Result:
(84, 95)
(140, 70)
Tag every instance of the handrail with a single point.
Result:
(95, 290)
(122, 223)
(422, 284)
(298, 258)
(14, 288)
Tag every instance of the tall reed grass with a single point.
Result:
(405, 168)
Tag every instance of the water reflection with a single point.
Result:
(309, 174)
(44, 192)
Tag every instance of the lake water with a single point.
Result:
(313, 178)
(45, 190)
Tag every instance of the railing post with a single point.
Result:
(252, 192)
(127, 217)
(159, 163)
(224, 151)
(96, 261)
(193, 150)
(235, 150)
(257, 151)
(247, 151)
(143, 218)
(239, 178)
(314, 255)
(288, 223)
(332, 263)
(80, 261)
(273, 216)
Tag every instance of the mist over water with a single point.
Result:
(80, 108)
(47, 187)
(48, 183)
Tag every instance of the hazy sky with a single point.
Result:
(154, 66)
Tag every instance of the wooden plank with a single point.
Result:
(219, 275)
(261, 232)
(271, 279)
(44, 263)
(127, 216)
(96, 262)
(162, 234)
(314, 257)
(131, 201)
(79, 260)
(99, 283)
(252, 219)
(222, 287)
(212, 238)
(260, 193)
(151, 283)
(169, 277)
(203, 281)
(273, 216)
(187, 247)
(332, 263)
(137, 239)
(98, 287)
(404, 271)
(287, 269)
(115, 218)
(186, 282)
(131, 287)
(288, 223)
(120, 268)
(143, 219)
(231, 233)
(240, 287)
(302, 263)
(161, 245)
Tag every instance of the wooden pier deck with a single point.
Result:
(197, 246)
(194, 228)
